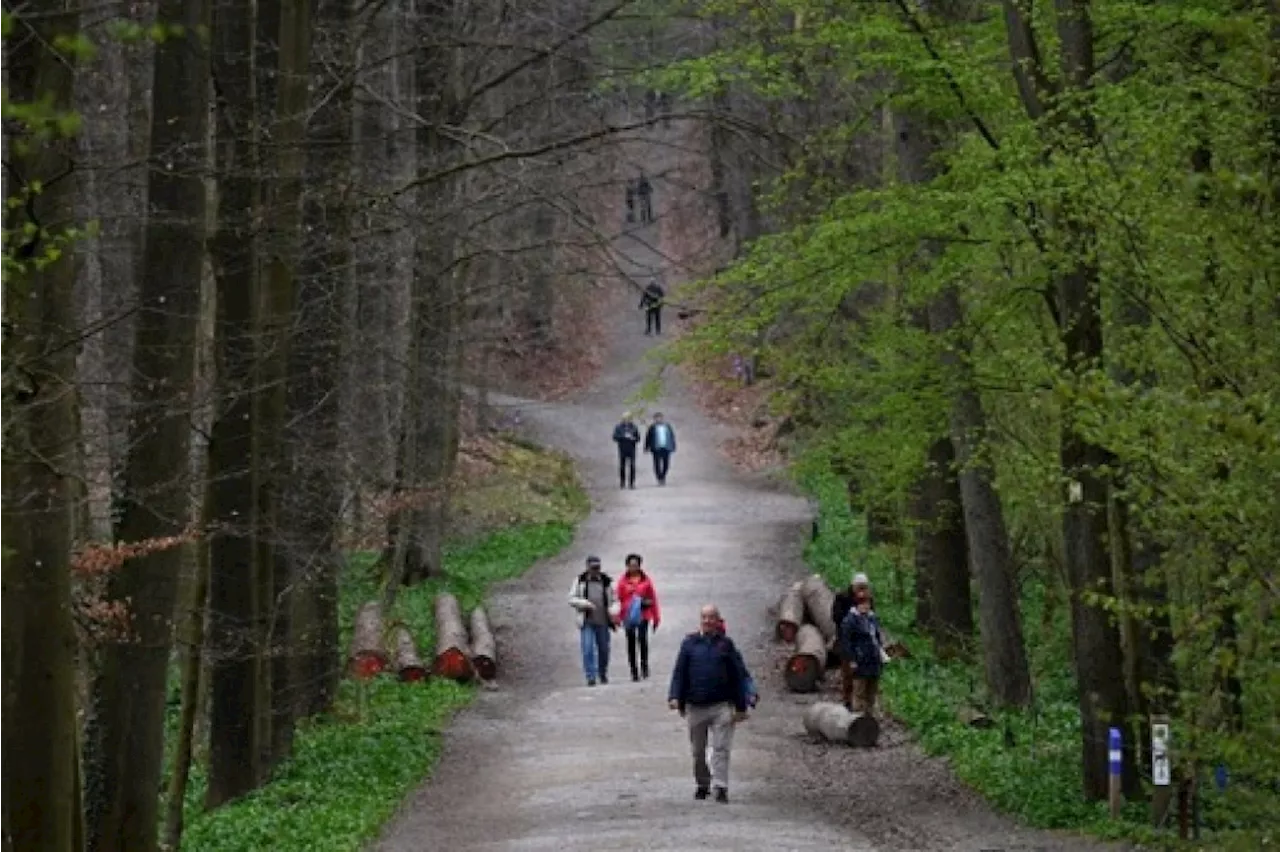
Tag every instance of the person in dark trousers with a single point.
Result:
(644, 195)
(627, 436)
(640, 611)
(841, 604)
(631, 201)
(709, 690)
(660, 440)
(651, 302)
(861, 644)
(591, 597)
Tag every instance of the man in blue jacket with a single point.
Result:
(709, 689)
(660, 439)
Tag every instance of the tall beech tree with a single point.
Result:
(125, 745)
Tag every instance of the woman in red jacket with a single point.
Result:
(635, 585)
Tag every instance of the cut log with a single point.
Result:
(818, 598)
(453, 651)
(484, 649)
(404, 655)
(974, 718)
(367, 658)
(894, 648)
(831, 722)
(806, 666)
(790, 613)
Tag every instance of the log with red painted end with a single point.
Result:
(484, 648)
(818, 598)
(453, 650)
(404, 655)
(790, 614)
(368, 658)
(806, 666)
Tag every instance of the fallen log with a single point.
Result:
(484, 648)
(831, 722)
(404, 655)
(818, 598)
(367, 658)
(453, 651)
(806, 666)
(974, 718)
(893, 648)
(790, 613)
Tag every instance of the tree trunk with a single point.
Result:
(234, 602)
(1097, 649)
(942, 552)
(314, 502)
(1003, 649)
(126, 742)
(192, 638)
(274, 325)
(41, 811)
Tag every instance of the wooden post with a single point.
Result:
(1115, 753)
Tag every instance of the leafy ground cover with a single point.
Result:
(353, 767)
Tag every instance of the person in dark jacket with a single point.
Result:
(651, 303)
(861, 645)
(660, 440)
(709, 690)
(840, 606)
(627, 436)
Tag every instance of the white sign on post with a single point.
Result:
(1160, 755)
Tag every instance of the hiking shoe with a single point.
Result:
(722, 794)
(591, 681)
(701, 793)
(635, 677)
(604, 679)
(644, 672)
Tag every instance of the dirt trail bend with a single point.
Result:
(546, 763)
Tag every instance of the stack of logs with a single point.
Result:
(461, 655)
(804, 621)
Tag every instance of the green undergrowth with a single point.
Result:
(351, 769)
(517, 483)
(1028, 763)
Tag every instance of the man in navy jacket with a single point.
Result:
(708, 688)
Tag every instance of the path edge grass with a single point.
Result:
(352, 769)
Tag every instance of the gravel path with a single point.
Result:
(544, 762)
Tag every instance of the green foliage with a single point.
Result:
(1036, 779)
(1176, 193)
(350, 771)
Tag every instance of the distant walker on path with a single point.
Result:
(591, 597)
(709, 689)
(627, 436)
(651, 302)
(660, 440)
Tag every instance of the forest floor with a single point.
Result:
(545, 762)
